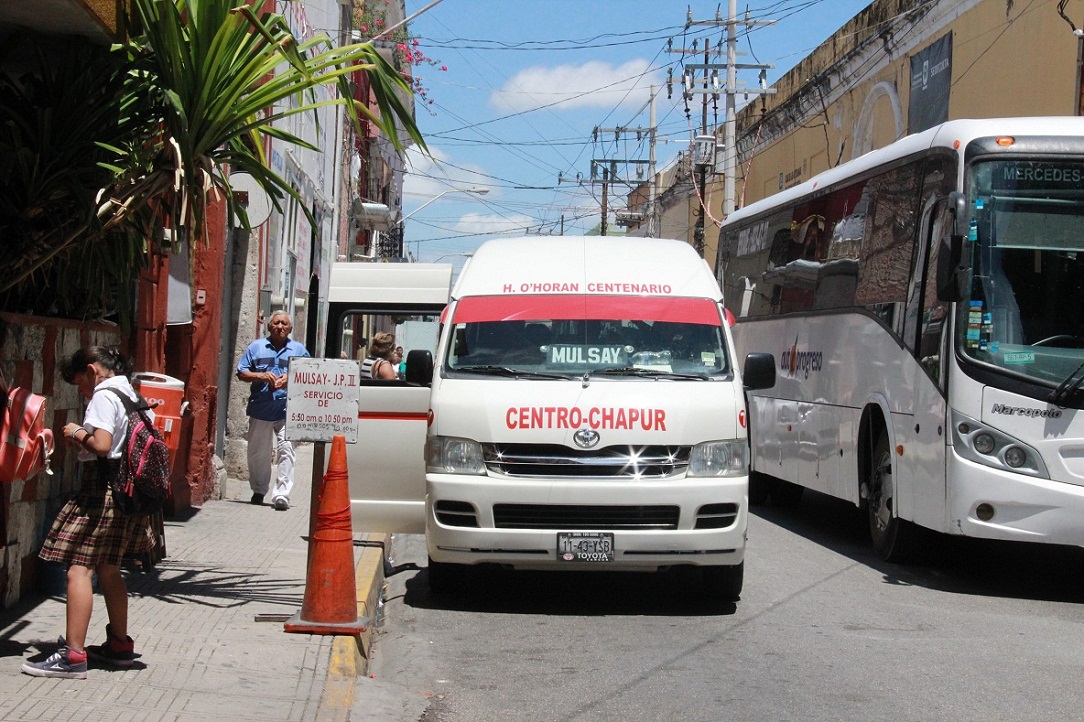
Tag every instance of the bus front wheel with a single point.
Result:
(894, 539)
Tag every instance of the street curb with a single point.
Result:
(350, 654)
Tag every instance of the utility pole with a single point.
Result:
(731, 88)
(649, 215)
(653, 229)
(610, 175)
(702, 168)
(605, 185)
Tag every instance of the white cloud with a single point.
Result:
(591, 85)
(494, 225)
(429, 176)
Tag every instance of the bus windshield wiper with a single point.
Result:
(1066, 388)
(511, 372)
(647, 373)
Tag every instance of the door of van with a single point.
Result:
(386, 466)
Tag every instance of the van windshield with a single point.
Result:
(679, 336)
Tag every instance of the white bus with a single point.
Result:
(925, 304)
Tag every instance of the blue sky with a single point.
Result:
(527, 82)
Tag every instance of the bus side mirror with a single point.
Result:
(958, 208)
(951, 273)
(759, 371)
(419, 367)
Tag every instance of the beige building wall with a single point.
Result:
(1008, 59)
(851, 94)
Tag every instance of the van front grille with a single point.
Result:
(553, 461)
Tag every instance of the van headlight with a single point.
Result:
(451, 455)
(719, 458)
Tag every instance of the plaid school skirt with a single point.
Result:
(89, 530)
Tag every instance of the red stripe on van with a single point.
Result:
(392, 416)
(562, 307)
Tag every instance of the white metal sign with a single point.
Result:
(322, 399)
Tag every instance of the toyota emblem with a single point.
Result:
(586, 438)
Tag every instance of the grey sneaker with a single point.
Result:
(63, 663)
(282, 503)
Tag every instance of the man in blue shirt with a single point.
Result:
(264, 365)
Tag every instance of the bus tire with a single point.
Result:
(445, 578)
(724, 583)
(894, 539)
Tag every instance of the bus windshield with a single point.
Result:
(560, 340)
(1027, 268)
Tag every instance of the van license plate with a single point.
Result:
(581, 546)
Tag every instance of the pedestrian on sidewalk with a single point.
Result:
(264, 365)
(90, 536)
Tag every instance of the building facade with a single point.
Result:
(193, 323)
(896, 68)
(284, 264)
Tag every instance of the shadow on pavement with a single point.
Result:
(12, 624)
(954, 564)
(212, 586)
(675, 592)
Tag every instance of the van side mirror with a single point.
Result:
(951, 271)
(419, 367)
(759, 371)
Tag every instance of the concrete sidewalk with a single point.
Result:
(204, 655)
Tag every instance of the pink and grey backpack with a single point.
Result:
(142, 483)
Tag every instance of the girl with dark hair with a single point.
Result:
(89, 535)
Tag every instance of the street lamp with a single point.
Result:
(473, 191)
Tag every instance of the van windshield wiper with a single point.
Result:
(511, 372)
(647, 373)
(1066, 388)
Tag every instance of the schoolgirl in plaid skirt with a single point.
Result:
(90, 536)
(89, 530)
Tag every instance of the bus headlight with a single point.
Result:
(719, 458)
(1016, 457)
(451, 455)
(983, 442)
(986, 445)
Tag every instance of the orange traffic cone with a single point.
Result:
(331, 598)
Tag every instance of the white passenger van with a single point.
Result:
(586, 412)
(385, 465)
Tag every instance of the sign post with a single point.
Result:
(322, 399)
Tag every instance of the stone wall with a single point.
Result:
(32, 357)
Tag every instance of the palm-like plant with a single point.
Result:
(220, 74)
(192, 95)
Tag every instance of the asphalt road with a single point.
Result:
(824, 631)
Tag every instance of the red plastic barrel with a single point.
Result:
(166, 395)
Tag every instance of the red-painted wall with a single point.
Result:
(190, 353)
